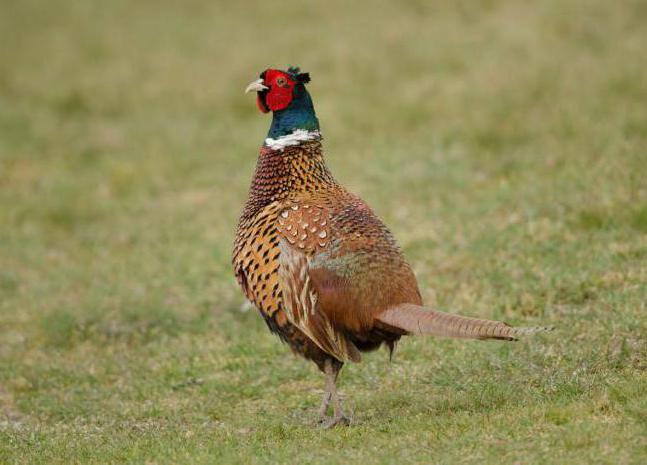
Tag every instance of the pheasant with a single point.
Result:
(324, 271)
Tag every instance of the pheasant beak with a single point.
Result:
(256, 85)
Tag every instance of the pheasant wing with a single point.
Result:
(304, 234)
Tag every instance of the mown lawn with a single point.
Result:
(504, 142)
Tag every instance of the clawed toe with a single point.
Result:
(335, 421)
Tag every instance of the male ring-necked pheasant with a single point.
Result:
(326, 274)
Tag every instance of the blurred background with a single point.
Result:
(503, 142)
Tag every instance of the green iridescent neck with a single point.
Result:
(300, 114)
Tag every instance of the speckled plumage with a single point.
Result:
(351, 257)
(324, 271)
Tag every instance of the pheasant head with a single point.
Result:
(285, 95)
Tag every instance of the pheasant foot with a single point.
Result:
(331, 395)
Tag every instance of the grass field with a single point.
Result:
(504, 143)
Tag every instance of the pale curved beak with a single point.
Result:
(256, 85)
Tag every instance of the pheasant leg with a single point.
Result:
(338, 417)
(325, 402)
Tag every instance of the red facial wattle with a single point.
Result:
(260, 102)
(279, 94)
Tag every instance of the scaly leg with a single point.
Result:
(331, 394)
(325, 401)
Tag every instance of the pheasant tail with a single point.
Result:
(418, 320)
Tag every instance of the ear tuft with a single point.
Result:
(303, 78)
(298, 76)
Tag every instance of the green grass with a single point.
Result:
(504, 142)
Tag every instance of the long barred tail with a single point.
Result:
(417, 320)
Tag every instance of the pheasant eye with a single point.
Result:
(281, 81)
